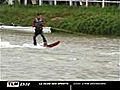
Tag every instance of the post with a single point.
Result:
(70, 2)
(19, 2)
(50, 2)
(55, 2)
(10, 2)
(86, 3)
(25, 2)
(75, 3)
(103, 3)
(80, 2)
(40, 2)
(33, 2)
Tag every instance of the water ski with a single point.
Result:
(53, 44)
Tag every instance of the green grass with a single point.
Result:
(91, 20)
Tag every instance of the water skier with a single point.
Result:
(39, 23)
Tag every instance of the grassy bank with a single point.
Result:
(91, 20)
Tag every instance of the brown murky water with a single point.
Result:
(76, 58)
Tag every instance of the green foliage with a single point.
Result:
(91, 20)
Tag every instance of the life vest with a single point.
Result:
(38, 23)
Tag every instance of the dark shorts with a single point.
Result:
(39, 32)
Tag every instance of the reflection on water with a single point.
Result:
(76, 58)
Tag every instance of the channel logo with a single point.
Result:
(13, 84)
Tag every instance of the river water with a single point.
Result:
(81, 57)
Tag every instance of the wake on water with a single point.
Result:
(8, 45)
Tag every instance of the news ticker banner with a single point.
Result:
(63, 85)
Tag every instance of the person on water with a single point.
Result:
(39, 23)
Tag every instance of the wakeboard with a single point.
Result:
(53, 44)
